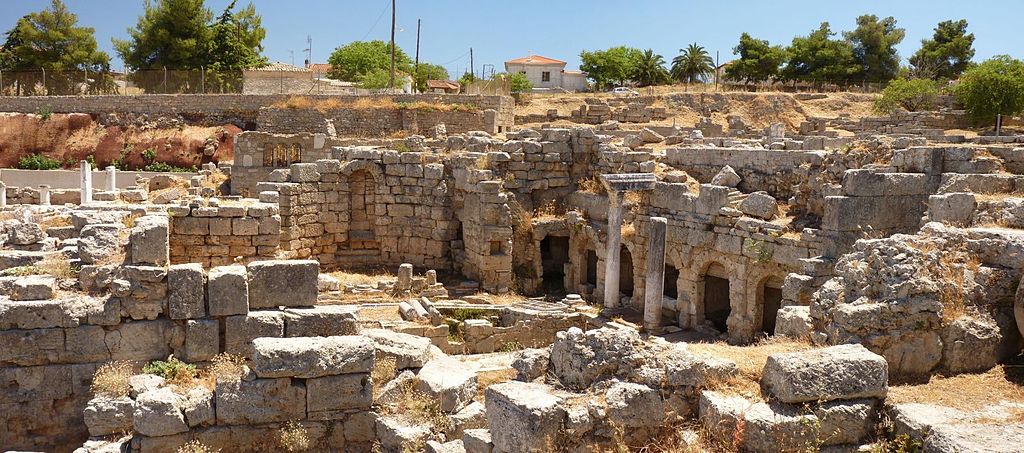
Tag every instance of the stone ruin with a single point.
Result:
(889, 257)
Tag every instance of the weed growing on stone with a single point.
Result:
(195, 446)
(173, 370)
(226, 367)
(384, 370)
(293, 437)
(111, 379)
(416, 407)
(58, 266)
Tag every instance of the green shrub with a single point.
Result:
(38, 162)
(911, 95)
(149, 155)
(167, 168)
(996, 86)
(44, 112)
(173, 370)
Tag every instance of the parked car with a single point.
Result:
(624, 91)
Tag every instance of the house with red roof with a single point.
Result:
(549, 73)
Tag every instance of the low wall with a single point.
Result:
(374, 122)
(70, 179)
(217, 109)
(773, 171)
(215, 236)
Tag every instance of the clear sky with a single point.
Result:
(502, 30)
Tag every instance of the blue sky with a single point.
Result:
(500, 31)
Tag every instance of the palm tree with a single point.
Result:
(692, 65)
(650, 69)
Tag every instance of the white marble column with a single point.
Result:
(86, 182)
(655, 284)
(111, 179)
(44, 195)
(614, 244)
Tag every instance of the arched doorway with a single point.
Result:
(362, 210)
(717, 306)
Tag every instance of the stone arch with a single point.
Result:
(584, 260)
(714, 301)
(362, 198)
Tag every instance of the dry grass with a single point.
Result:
(223, 367)
(362, 278)
(111, 379)
(415, 407)
(384, 370)
(293, 437)
(948, 268)
(382, 313)
(57, 265)
(750, 360)
(590, 185)
(509, 298)
(195, 446)
(967, 392)
(54, 221)
(628, 230)
(549, 210)
(488, 378)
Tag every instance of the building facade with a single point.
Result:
(547, 73)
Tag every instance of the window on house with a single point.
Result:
(545, 76)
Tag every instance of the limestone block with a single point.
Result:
(99, 244)
(759, 205)
(241, 402)
(186, 291)
(331, 397)
(473, 416)
(971, 344)
(202, 340)
(477, 441)
(310, 357)
(142, 383)
(106, 415)
(455, 446)
(240, 331)
(361, 427)
(291, 283)
(158, 412)
(150, 241)
(142, 340)
(449, 381)
(304, 173)
(397, 434)
(227, 291)
(634, 405)
(25, 233)
(198, 407)
(523, 417)
(409, 351)
(32, 287)
(837, 372)
(647, 135)
(322, 321)
(793, 321)
(531, 364)
(325, 283)
(726, 177)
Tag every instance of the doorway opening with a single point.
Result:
(554, 254)
(716, 297)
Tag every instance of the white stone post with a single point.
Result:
(3, 195)
(614, 243)
(655, 285)
(44, 195)
(111, 179)
(86, 182)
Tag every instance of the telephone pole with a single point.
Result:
(416, 70)
(391, 83)
(472, 68)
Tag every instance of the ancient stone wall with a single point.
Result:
(760, 169)
(216, 109)
(226, 234)
(376, 122)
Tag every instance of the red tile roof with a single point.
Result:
(535, 59)
(322, 68)
(443, 84)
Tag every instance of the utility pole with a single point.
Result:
(391, 83)
(416, 70)
(716, 70)
(472, 68)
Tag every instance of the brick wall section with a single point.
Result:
(215, 236)
(215, 109)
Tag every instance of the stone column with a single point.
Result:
(111, 178)
(86, 182)
(614, 243)
(44, 195)
(655, 285)
(3, 195)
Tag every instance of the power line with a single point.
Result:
(379, 17)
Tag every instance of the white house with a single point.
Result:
(544, 72)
